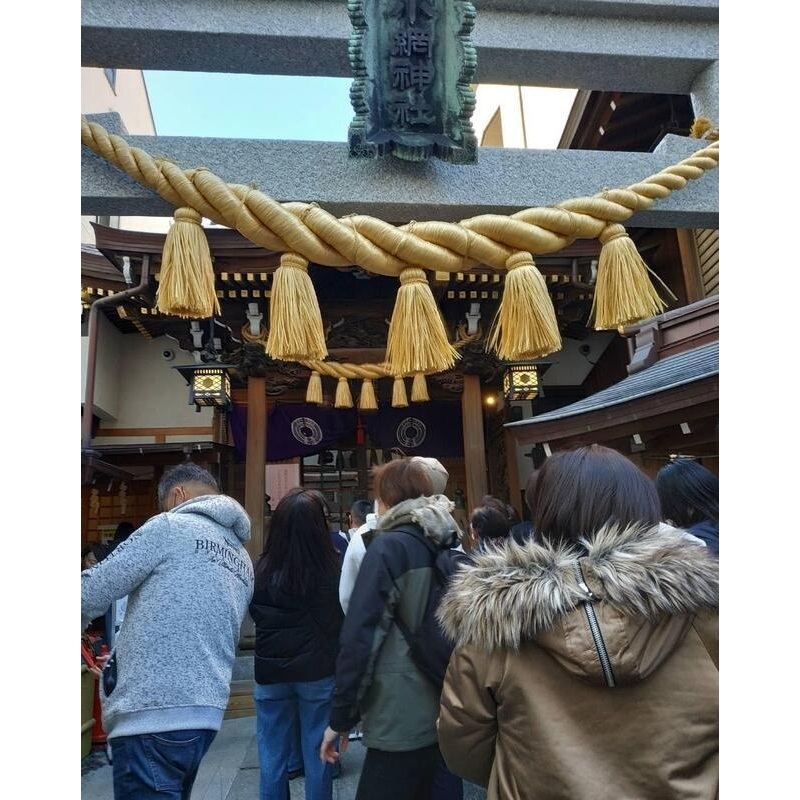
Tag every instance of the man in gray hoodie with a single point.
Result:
(165, 688)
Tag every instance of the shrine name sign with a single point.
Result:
(413, 63)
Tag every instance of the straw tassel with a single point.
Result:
(343, 397)
(367, 400)
(419, 389)
(525, 325)
(417, 339)
(186, 287)
(295, 330)
(399, 396)
(623, 293)
(314, 391)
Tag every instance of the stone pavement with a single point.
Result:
(230, 770)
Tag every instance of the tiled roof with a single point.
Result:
(688, 367)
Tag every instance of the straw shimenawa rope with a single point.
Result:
(186, 288)
(525, 326)
(294, 336)
(378, 246)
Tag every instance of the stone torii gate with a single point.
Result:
(659, 46)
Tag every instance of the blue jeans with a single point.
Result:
(158, 766)
(277, 707)
(296, 751)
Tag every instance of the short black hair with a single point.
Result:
(360, 509)
(490, 522)
(123, 531)
(187, 472)
(506, 509)
(100, 550)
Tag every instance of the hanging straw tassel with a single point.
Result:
(623, 293)
(367, 400)
(295, 329)
(417, 339)
(343, 397)
(525, 325)
(186, 288)
(419, 389)
(399, 396)
(314, 391)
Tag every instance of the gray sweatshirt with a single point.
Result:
(189, 581)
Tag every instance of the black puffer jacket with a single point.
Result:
(297, 638)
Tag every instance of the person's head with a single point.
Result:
(123, 531)
(505, 509)
(358, 513)
(403, 479)
(326, 508)
(438, 474)
(689, 493)
(298, 551)
(183, 483)
(91, 554)
(490, 522)
(577, 492)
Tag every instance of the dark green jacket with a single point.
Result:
(376, 679)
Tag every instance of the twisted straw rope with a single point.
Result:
(377, 246)
(333, 369)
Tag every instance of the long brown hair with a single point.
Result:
(577, 492)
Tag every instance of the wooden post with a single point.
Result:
(474, 444)
(512, 471)
(256, 459)
(690, 263)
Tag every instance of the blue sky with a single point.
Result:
(249, 106)
(318, 109)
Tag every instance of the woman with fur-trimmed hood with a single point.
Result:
(586, 662)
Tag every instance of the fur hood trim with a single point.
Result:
(514, 592)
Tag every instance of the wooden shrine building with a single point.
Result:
(486, 429)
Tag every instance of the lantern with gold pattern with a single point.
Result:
(521, 381)
(209, 384)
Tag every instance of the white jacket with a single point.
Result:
(353, 557)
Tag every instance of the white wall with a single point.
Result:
(128, 98)
(151, 393)
(531, 116)
(570, 366)
(106, 384)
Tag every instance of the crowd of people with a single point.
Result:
(570, 655)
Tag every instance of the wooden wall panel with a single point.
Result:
(103, 509)
(708, 257)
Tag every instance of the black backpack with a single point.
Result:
(430, 646)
